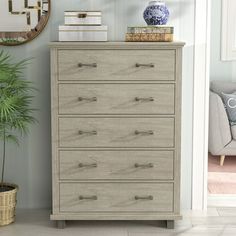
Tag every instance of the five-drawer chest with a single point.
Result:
(116, 131)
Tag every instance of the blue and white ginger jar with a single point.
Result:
(156, 13)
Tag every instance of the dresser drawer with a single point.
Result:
(133, 165)
(115, 197)
(116, 65)
(116, 132)
(116, 98)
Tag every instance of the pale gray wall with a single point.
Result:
(219, 70)
(30, 165)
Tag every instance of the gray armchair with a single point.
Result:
(222, 136)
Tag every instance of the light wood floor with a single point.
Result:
(214, 222)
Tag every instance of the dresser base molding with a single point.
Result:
(113, 216)
(61, 219)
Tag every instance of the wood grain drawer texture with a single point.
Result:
(116, 197)
(116, 165)
(92, 65)
(116, 132)
(116, 99)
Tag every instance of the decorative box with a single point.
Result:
(83, 18)
(83, 33)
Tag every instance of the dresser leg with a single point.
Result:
(170, 224)
(61, 224)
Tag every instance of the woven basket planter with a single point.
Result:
(8, 205)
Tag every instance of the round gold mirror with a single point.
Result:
(22, 20)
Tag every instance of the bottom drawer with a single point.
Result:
(116, 197)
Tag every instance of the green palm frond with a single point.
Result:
(16, 97)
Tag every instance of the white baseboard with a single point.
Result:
(221, 200)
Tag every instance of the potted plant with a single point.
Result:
(15, 117)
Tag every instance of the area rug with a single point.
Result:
(221, 179)
(229, 164)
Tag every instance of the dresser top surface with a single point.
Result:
(116, 45)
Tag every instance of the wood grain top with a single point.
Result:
(116, 45)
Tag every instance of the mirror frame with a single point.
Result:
(36, 34)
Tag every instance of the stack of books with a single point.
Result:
(83, 26)
(150, 34)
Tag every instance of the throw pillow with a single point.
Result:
(230, 104)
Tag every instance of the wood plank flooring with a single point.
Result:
(214, 222)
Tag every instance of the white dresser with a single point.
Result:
(116, 131)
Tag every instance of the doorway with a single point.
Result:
(222, 143)
(201, 198)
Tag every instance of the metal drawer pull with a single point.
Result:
(87, 132)
(149, 165)
(144, 197)
(149, 132)
(93, 99)
(81, 165)
(151, 99)
(88, 198)
(88, 65)
(145, 65)
(82, 15)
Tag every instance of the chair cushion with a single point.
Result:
(233, 131)
(220, 87)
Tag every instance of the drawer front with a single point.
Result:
(116, 98)
(93, 165)
(115, 197)
(116, 65)
(116, 132)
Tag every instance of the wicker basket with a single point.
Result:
(8, 205)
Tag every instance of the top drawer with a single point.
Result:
(131, 65)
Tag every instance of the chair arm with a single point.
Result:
(219, 127)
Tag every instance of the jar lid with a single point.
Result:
(156, 3)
